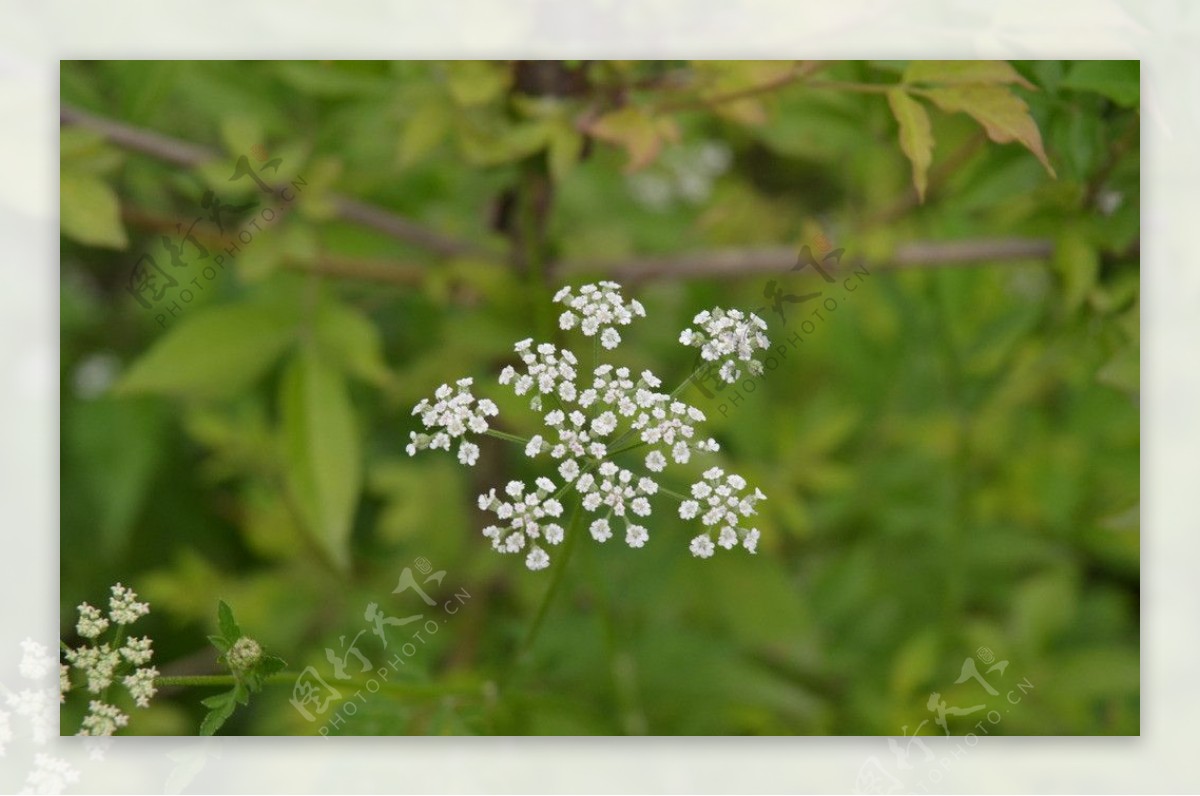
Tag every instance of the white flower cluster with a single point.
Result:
(720, 497)
(588, 425)
(548, 369)
(728, 337)
(453, 413)
(100, 663)
(525, 520)
(598, 309)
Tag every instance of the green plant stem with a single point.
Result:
(491, 432)
(569, 544)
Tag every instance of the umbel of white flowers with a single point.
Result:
(589, 418)
(102, 663)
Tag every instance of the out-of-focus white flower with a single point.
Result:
(726, 338)
(50, 774)
(36, 660)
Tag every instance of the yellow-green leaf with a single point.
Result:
(424, 130)
(916, 135)
(352, 342)
(1004, 116)
(566, 145)
(949, 73)
(212, 352)
(321, 450)
(477, 82)
(637, 132)
(91, 213)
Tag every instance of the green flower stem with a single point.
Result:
(673, 493)
(573, 533)
(491, 432)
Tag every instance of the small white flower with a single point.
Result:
(141, 685)
(689, 509)
(599, 308)
(600, 530)
(451, 415)
(702, 546)
(636, 536)
(91, 624)
(537, 559)
(726, 338)
(102, 719)
(468, 453)
(137, 650)
(727, 506)
(655, 461)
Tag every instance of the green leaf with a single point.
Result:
(424, 130)
(220, 643)
(566, 145)
(1120, 81)
(212, 352)
(637, 132)
(321, 450)
(477, 82)
(217, 700)
(949, 73)
(217, 717)
(1078, 265)
(241, 693)
(352, 342)
(916, 135)
(229, 627)
(90, 211)
(1004, 115)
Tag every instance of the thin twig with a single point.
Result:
(733, 263)
(189, 155)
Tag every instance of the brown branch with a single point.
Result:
(189, 155)
(390, 272)
(735, 263)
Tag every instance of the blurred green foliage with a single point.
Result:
(951, 456)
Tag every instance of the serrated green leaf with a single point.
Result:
(1004, 116)
(916, 136)
(241, 694)
(948, 73)
(269, 665)
(90, 211)
(229, 627)
(220, 643)
(216, 718)
(212, 352)
(321, 450)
